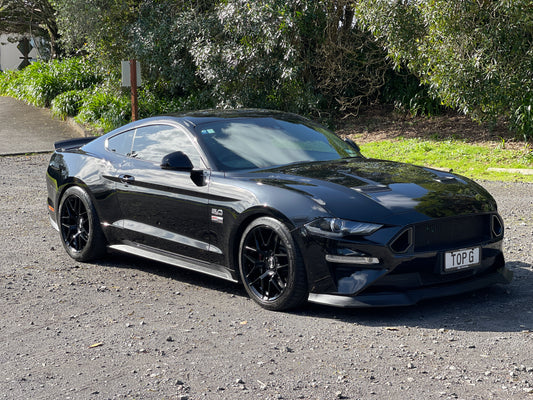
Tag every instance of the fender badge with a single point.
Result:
(217, 215)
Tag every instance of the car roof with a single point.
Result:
(193, 119)
(207, 116)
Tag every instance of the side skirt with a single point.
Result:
(176, 260)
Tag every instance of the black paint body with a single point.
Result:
(424, 213)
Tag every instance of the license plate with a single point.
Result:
(459, 259)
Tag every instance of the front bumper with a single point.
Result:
(403, 265)
(413, 296)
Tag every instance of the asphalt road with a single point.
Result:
(27, 129)
(126, 328)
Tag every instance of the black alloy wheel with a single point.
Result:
(271, 267)
(79, 226)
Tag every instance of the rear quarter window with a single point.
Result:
(121, 143)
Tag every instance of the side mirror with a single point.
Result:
(177, 161)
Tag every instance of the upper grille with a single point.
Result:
(452, 232)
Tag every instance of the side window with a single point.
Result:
(121, 144)
(152, 143)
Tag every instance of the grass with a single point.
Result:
(471, 160)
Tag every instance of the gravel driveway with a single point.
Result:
(130, 328)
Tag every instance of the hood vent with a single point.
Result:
(446, 179)
(372, 189)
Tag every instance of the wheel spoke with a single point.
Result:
(71, 240)
(256, 240)
(73, 208)
(259, 278)
(252, 272)
(77, 241)
(266, 292)
(278, 267)
(271, 235)
(249, 258)
(84, 236)
(277, 284)
(68, 207)
(277, 244)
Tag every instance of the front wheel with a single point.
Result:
(271, 266)
(79, 226)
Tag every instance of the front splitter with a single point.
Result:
(413, 296)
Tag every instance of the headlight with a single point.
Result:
(336, 227)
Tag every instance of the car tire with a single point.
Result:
(271, 267)
(79, 226)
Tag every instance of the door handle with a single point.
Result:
(126, 178)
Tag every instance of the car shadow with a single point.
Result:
(499, 308)
(183, 275)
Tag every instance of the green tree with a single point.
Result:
(162, 38)
(97, 27)
(248, 54)
(350, 67)
(300, 56)
(476, 56)
(304, 55)
(33, 17)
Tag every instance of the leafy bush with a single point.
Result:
(73, 87)
(522, 117)
(67, 104)
(41, 86)
(405, 92)
(40, 82)
(150, 103)
(303, 56)
(476, 56)
(104, 108)
(7, 82)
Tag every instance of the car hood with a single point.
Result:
(372, 189)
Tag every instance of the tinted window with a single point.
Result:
(265, 142)
(152, 143)
(121, 144)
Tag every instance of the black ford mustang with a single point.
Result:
(278, 203)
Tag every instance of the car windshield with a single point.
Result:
(236, 144)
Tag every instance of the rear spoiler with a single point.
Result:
(72, 143)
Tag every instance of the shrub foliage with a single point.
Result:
(475, 56)
(325, 58)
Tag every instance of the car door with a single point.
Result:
(164, 209)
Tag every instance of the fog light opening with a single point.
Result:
(403, 241)
(497, 226)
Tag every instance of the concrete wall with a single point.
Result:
(10, 56)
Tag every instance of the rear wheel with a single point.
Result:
(79, 226)
(271, 266)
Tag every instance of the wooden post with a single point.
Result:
(133, 79)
